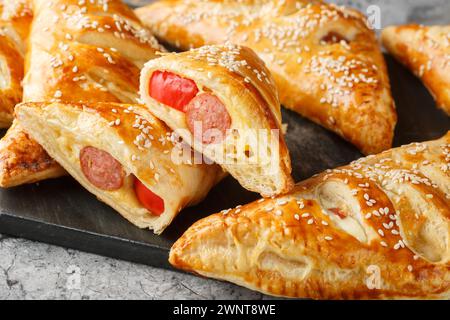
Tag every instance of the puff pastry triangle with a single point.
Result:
(326, 62)
(122, 154)
(426, 52)
(377, 228)
(79, 51)
(222, 100)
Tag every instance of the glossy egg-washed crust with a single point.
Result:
(425, 50)
(78, 51)
(245, 86)
(142, 144)
(15, 21)
(296, 246)
(325, 60)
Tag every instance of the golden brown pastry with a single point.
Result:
(15, 21)
(222, 101)
(326, 62)
(426, 52)
(377, 228)
(123, 155)
(79, 51)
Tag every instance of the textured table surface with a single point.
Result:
(30, 270)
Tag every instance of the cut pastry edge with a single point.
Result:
(246, 160)
(68, 147)
(16, 168)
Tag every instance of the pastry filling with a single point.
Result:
(106, 173)
(208, 110)
(101, 169)
(148, 199)
(340, 213)
(206, 116)
(333, 37)
(172, 90)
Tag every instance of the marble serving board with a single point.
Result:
(61, 212)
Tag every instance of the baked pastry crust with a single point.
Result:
(142, 144)
(79, 51)
(386, 215)
(15, 21)
(243, 84)
(325, 60)
(425, 50)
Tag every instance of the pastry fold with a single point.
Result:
(425, 50)
(377, 228)
(78, 51)
(15, 21)
(110, 148)
(325, 60)
(227, 91)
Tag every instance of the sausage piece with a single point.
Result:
(206, 109)
(101, 169)
(171, 89)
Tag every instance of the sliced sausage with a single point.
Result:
(171, 89)
(148, 199)
(101, 169)
(206, 109)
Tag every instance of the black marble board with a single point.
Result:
(61, 212)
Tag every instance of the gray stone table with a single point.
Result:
(30, 270)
